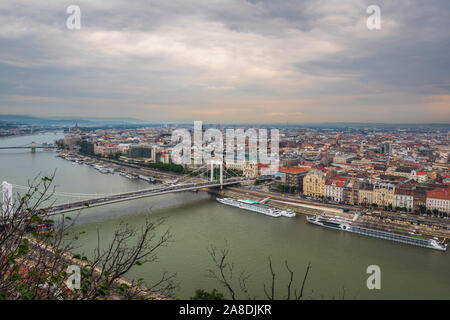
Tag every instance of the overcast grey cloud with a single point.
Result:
(233, 61)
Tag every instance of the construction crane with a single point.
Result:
(353, 189)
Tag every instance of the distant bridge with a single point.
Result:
(37, 147)
(33, 146)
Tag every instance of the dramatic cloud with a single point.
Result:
(227, 60)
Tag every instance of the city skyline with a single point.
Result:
(70, 121)
(231, 62)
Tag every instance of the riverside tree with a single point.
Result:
(35, 262)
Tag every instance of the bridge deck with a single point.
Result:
(74, 206)
(29, 147)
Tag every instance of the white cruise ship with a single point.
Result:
(380, 232)
(257, 206)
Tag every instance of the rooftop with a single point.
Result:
(440, 193)
(293, 170)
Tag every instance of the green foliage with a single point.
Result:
(60, 144)
(84, 147)
(23, 249)
(229, 173)
(115, 156)
(286, 188)
(35, 219)
(122, 288)
(205, 295)
(167, 167)
(422, 208)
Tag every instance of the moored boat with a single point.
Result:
(256, 206)
(380, 232)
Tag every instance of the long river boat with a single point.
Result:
(257, 206)
(376, 231)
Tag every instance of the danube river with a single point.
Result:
(339, 260)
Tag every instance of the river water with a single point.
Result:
(339, 260)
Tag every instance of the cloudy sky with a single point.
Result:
(227, 60)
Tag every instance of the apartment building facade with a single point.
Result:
(314, 184)
(383, 194)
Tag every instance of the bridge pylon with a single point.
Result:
(220, 164)
(33, 147)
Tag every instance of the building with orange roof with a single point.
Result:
(439, 199)
(293, 169)
(419, 176)
(334, 188)
(264, 169)
(293, 176)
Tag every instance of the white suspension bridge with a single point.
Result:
(189, 183)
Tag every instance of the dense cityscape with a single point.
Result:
(244, 151)
(377, 177)
(395, 171)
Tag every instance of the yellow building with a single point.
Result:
(383, 194)
(365, 194)
(105, 150)
(314, 183)
(250, 169)
(71, 139)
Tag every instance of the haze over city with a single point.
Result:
(231, 61)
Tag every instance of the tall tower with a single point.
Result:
(33, 147)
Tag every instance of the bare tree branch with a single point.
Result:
(33, 264)
(223, 273)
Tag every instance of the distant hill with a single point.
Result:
(17, 118)
(107, 121)
(31, 120)
(362, 125)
